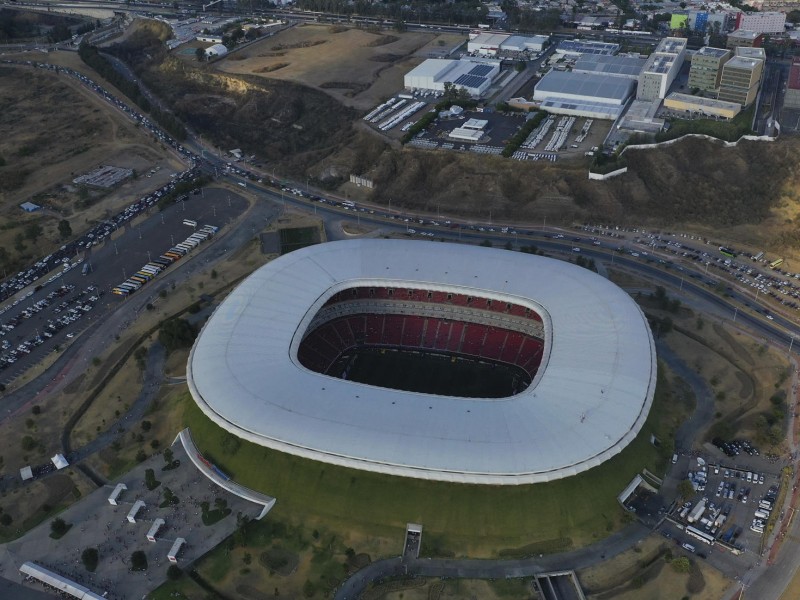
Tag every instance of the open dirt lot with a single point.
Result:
(44, 149)
(355, 66)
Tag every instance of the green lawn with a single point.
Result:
(483, 520)
(294, 238)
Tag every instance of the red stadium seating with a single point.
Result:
(322, 347)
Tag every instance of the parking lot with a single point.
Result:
(727, 515)
(498, 131)
(62, 303)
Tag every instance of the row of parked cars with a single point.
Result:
(735, 447)
(72, 309)
(762, 513)
(26, 277)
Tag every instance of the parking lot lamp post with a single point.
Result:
(124, 275)
(148, 256)
(162, 218)
(735, 312)
(116, 250)
(791, 343)
(172, 239)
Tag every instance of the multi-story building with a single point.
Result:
(706, 69)
(741, 77)
(698, 20)
(761, 22)
(717, 22)
(744, 38)
(792, 97)
(661, 68)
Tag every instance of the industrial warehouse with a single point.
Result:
(583, 94)
(475, 76)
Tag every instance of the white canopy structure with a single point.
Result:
(58, 582)
(59, 461)
(588, 400)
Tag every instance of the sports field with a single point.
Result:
(441, 374)
(468, 520)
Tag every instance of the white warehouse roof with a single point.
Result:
(524, 42)
(583, 86)
(589, 399)
(616, 66)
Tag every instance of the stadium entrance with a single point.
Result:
(430, 373)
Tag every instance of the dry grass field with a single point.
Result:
(356, 66)
(44, 149)
(643, 572)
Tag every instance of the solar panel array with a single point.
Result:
(470, 81)
(480, 70)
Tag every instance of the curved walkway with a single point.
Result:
(223, 481)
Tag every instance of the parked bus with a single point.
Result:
(120, 291)
(700, 535)
(190, 223)
(758, 256)
(776, 263)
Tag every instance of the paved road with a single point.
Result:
(492, 569)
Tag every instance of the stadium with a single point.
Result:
(428, 360)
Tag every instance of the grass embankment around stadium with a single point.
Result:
(459, 520)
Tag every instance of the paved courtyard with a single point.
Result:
(97, 524)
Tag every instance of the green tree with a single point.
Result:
(138, 561)
(200, 54)
(64, 229)
(33, 231)
(58, 527)
(19, 242)
(685, 489)
(176, 334)
(5, 519)
(90, 558)
(681, 565)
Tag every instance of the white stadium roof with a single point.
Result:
(589, 399)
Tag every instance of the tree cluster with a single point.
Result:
(176, 334)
